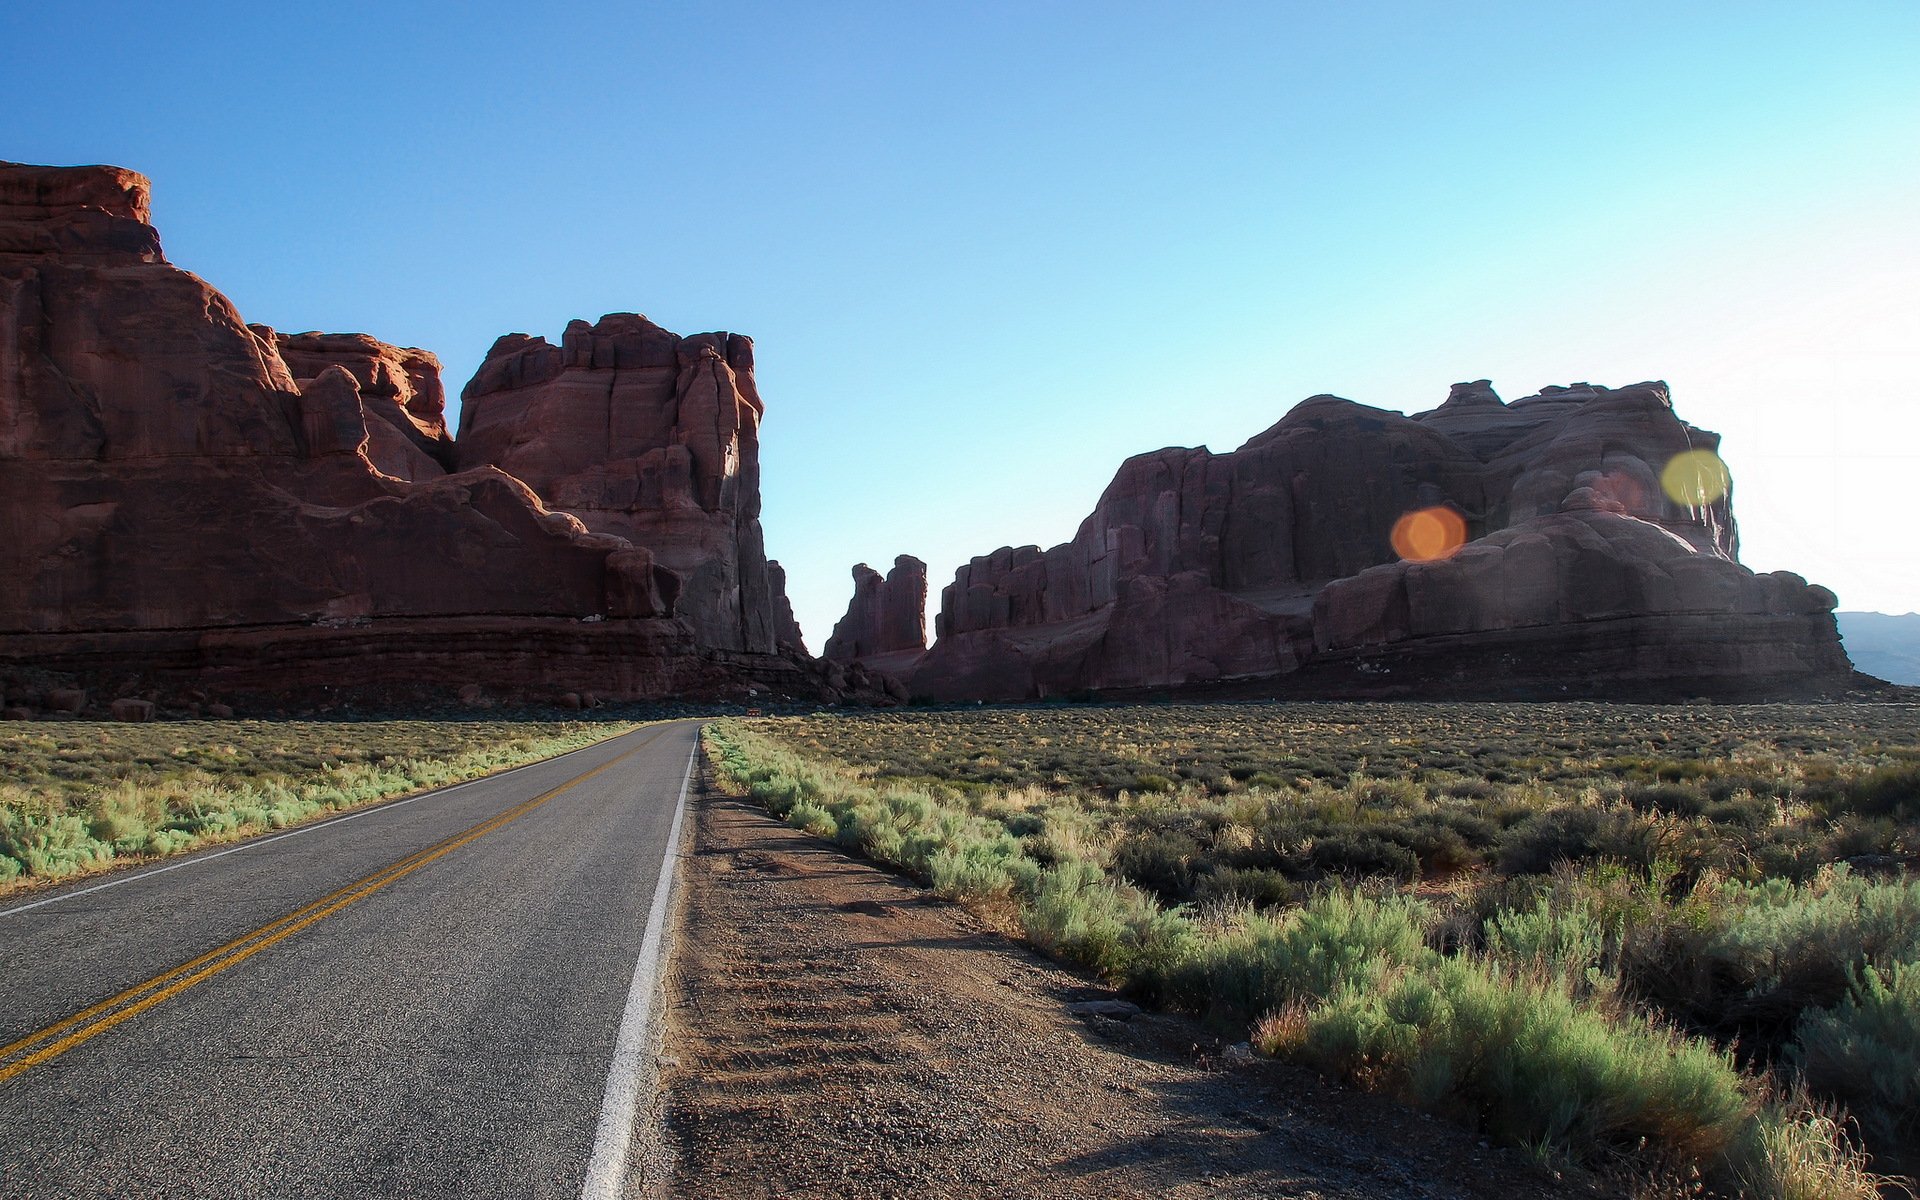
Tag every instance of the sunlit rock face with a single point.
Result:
(887, 616)
(400, 393)
(645, 436)
(1531, 548)
(183, 493)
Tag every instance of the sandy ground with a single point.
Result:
(833, 1031)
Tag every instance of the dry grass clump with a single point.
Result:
(1686, 949)
(80, 796)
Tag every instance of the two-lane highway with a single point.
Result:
(418, 999)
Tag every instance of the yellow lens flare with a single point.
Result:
(1695, 478)
(1429, 534)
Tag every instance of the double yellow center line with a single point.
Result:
(62, 1036)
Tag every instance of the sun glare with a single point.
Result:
(1428, 534)
(1695, 478)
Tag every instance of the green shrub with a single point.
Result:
(1242, 885)
(1892, 791)
(1582, 834)
(1339, 939)
(805, 814)
(1464, 1035)
(1365, 852)
(1161, 862)
(1865, 1052)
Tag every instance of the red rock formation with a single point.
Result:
(1203, 569)
(399, 386)
(786, 630)
(886, 616)
(646, 436)
(175, 496)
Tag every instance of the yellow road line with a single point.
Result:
(171, 983)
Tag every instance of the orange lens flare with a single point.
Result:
(1429, 534)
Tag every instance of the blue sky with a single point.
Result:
(987, 251)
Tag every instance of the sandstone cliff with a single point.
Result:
(1572, 569)
(183, 493)
(645, 436)
(887, 616)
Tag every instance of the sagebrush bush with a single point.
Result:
(1541, 1068)
(1605, 919)
(1865, 1051)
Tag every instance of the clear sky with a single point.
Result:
(986, 251)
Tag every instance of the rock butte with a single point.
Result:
(1270, 571)
(189, 497)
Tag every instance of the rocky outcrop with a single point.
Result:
(786, 630)
(1279, 560)
(184, 492)
(401, 397)
(645, 436)
(886, 616)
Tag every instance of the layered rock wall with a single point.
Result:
(645, 436)
(175, 483)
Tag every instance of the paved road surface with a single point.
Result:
(421, 999)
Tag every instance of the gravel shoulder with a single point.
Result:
(834, 1031)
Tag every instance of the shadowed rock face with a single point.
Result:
(886, 616)
(1202, 569)
(175, 483)
(786, 630)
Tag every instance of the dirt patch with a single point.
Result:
(834, 1032)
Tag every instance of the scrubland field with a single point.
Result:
(1676, 945)
(76, 796)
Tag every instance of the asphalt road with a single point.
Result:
(422, 999)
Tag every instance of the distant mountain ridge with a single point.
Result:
(1883, 644)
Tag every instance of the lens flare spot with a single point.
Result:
(1695, 478)
(1427, 534)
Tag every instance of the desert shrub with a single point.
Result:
(1365, 852)
(1160, 862)
(1580, 834)
(1892, 791)
(1253, 886)
(1785, 948)
(51, 845)
(1563, 940)
(1674, 799)
(1439, 844)
(1865, 1051)
(1076, 914)
(1338, 939)
(805, 814)
(976, 865)
(1539, 1067)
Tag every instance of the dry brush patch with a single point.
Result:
(1663, 941)
(82, 796)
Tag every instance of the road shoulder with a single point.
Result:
(832, 1030)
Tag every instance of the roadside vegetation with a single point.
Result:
(82, 796)
(1680, 945)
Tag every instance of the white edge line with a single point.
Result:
(613, 1138)
(256, 843)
